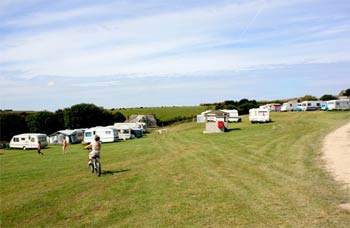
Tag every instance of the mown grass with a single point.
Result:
(255, 175)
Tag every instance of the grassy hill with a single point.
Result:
(166, 114)
(255, 175)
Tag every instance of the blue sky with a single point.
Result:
(54, 54)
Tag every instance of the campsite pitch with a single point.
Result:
(255, 175)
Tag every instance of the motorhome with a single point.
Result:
(107, 134)
(28, 141)
(311, 105)
(343, 104)
(289, 106)
(233, 115)
(259, 115)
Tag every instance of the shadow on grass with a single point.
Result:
(233, 129)
(112, 172)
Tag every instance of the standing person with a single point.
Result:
(64, 145)
(95, 146)
(39, 148)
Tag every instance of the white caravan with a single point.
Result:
(129, 130)
(289, 106)
(201, 117)
(259, 115)
(343, 104)
(28, 141)
(107, 134)
(233, 115)
(311, 105)
(124, 130)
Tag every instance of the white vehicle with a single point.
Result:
(289, 106)
(233, 115)
(259, 115)
(311, 105)
(107, 134)
(343, 104)
(201, 117)
(28, 141)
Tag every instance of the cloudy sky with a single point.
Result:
(129, 53)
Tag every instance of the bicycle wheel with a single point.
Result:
(91, 166)
(98, 168)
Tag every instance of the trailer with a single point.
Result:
(289, 106)
(259, 115)
(233, 115)
(71, 136)
(311, 105)
(28, 141)
(107, 134)
(343, 104)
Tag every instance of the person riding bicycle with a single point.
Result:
(96, 148)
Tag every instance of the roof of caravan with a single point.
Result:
(26, 134)
(217, 113)
(100, 127)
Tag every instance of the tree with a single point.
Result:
(328, 97)
(12, 124)
(89, 115)
(44, 122)
(347, 92)
(308, 98)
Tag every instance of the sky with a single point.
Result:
(130, 53)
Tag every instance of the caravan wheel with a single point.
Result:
(24, 148)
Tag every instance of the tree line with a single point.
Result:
(77, 116)
(242, 105)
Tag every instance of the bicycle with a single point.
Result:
(95, 164)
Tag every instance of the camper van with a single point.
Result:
(233, 115)
(259, 115)
(311, 105)
(343, 104)
(289, 106)
(28, 141)
(107, 134)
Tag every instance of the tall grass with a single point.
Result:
(255, 175)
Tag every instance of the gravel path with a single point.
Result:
(336, 152)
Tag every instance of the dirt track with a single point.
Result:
(336, 152)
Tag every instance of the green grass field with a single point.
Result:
(255, 175)
(166, 113)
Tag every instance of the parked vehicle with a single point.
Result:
(311, 105)
(233, 115)
(259, 115)
(72, 136)
(289, 106)
(343, 104)
(28, 141)
(107, 134)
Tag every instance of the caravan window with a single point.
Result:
(107, 132)
(88, 134)
(16, 139)
(23, 139)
